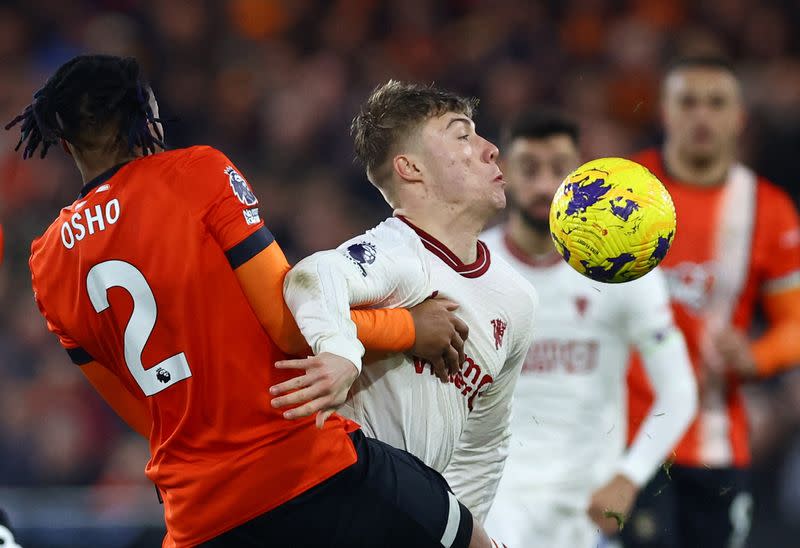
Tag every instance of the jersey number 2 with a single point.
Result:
(108, 274)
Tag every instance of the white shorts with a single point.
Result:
(524, 522)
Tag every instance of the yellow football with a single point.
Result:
(612, 220)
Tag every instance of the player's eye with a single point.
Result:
(687, 101)
(530, 170)
(717, 101)
(464, 137)
(560, 171)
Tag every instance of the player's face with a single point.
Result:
(461, 166)
(534, 169)
(703, 113)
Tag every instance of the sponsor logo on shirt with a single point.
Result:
(241, 188)
(470, 380)
(573, 357)
(362, 254)
(690, 284)
(251, 216)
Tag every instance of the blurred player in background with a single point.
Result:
(567, 464)
(164, 285)
(737, 246)
(421, 150)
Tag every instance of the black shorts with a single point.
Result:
(389, 498)
(692, 507)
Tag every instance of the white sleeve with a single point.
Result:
(663, 350)
(379, 268)
(477, 464)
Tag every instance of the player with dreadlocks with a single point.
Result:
(164, 285)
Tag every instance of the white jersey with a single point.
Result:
(460, 428)
(570, 407)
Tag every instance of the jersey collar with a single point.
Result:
(100, 179)
(548, 259)
(472, 270)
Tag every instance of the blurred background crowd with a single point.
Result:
(274, 84)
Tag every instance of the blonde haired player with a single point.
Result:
(568, 469)
(421, 150)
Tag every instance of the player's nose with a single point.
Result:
(490, 152)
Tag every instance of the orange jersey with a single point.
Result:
(138, 275)
(721, 438)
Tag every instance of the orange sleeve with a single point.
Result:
(131, 409)
(778, 348)
(385, 329)
(261, 278)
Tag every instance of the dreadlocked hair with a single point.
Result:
(89, 99)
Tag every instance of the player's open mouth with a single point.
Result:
(499, 178)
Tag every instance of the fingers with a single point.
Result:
(457, 343)
(451, 361)
(301, 396)
(305, 363)
(307, 409)
(609, 521)
(440, 369)
(444, 301)
(291, 385)
(322, 416)
(461, 328)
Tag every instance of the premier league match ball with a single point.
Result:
(612, 220)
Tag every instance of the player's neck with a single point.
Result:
(92, 165)
(709, 173)
(459, 233)
(534, 243)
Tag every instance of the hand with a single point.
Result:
(440, 336)
(321, 390)
(613, 500)
(734, 350)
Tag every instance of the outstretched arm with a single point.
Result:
(262, 279)
(778, 348)
(650, 328)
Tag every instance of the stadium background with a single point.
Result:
(274, 85)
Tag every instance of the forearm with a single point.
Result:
(385, 330)
(675, 406)
(261, 279)
(778, 348)
(319, 294)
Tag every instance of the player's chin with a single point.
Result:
(498, 199)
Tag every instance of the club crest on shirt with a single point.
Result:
(499, 332)
(241, 188)
(361, 254)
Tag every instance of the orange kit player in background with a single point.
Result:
(164, 285)
(737, 245)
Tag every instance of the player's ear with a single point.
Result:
(408, 168)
